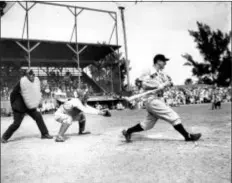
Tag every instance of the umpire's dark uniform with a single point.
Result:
(19, 110)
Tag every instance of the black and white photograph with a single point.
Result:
(115, 91)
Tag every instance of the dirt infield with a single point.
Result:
(158, 155)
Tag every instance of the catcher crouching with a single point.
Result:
(73, 110)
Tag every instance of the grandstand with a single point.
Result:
(59, 64)
(53, 56)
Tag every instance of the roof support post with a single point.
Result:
(115, 29)
(119, 64)
(76, 50)
(125, 45)
(27, 49)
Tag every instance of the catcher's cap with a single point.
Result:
(160, 57)
(60, 96)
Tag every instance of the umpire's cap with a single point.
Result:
(160, 57)
(30, 72)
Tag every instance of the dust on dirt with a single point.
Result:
(157, 155)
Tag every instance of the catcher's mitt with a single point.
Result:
(106, 113)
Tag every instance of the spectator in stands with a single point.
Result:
(25, 99)
(98, 106)
(120, 106)
(43, 107)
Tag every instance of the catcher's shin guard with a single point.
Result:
(82, 123)
(63, 129)
(82, 126)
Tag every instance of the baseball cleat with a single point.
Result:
(193, 137)
(59, 139)
(84, 133)
(126, 135)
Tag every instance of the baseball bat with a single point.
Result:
(136, 96)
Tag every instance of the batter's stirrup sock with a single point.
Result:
(181, 130)
(136, 128)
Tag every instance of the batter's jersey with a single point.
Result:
(156, 79)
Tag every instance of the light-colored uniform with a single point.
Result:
(73, 110)
(156, 108)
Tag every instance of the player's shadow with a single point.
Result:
(24, 137)
(82, 135)
(69, 135)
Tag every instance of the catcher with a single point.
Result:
(156, 108)
(73, 109)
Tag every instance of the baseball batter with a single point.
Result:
(156, 108)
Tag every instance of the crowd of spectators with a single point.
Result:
(197, 94)
(5, 93)
(175, 96)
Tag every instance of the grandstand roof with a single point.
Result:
(52, 53)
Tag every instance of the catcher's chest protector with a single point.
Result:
(30, 92)
(70, 110)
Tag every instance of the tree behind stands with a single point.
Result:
(2, 6)
(110, 69)
(214, 47)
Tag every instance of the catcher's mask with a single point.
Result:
(61, 97)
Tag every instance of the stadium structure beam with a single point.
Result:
(78, 7)
(76, 51)
(125, 45)
(27, 49)
(115, 29)
(116, 34)
(112, 33)
(70, 7)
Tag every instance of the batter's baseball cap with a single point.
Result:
(160, 57)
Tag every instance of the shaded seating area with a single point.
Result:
(49, 56)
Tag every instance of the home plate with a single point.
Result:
(157, 136)
(161, 136)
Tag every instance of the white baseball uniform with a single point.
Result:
(156, 108)
(73, 110)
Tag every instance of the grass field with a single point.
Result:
(158, 155)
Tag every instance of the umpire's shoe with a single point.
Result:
(126, 135)
(193, 137)
(46, 136)
(3, 140)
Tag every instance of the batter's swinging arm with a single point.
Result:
(136, 96)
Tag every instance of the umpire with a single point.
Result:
(25, 98)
